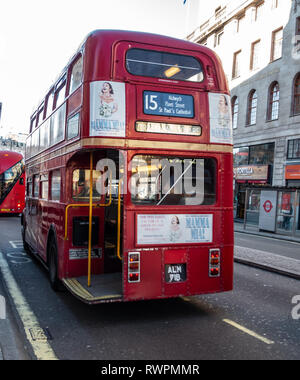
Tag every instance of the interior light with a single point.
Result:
(172, 71)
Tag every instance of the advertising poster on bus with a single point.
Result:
(107, 109)
(174, 229)
(220, 118)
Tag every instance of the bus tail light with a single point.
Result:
(134, 267)
(214, 262)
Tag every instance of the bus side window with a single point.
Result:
(50, 100)
(36, 186)
(60, 92)
(76, 75)
(44, 186)
(29, 187)
(21, 181)
(55, 185)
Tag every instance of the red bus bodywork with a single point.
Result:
(54, 228)
(12, 183)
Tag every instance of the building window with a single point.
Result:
(255, 54)
(252, 108)
(293, 149)
(273, 104)
(236, 64)
(276, 50)
(235, 111)
(296, 96)
(241, 24)
(258, 11)
(218, 38)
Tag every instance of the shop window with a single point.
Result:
(241, 156)
(261, 154)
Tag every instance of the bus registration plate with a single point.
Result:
(167, 104)
(175, 272)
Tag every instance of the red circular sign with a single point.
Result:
(268, 206)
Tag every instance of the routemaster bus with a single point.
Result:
(12, 182)
(129, 179)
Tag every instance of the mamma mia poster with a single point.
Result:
(107, 109)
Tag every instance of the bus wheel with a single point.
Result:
(25, 245)
(53, 268)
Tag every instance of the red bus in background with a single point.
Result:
(129, 171)
(12, 183)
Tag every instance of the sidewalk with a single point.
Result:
(11, 341)
(269, 261)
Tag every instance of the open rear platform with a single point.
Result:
(104, 288)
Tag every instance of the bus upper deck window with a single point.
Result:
(76, 75)
(163, 65)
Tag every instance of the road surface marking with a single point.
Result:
(16, 243)
(41, 349)
(247, 331)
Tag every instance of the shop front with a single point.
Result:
(246, 176)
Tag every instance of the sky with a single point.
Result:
(38, 37)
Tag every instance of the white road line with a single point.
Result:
(247, 331)
(41, 349)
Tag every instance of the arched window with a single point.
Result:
(252, 108)
(296, 95)
(235, 111)
(273, 104)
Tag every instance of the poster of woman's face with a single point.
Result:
(107, 109)
(220, 118)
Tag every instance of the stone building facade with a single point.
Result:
(258, 42)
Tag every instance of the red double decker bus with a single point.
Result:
(129, 171)
(12, 183)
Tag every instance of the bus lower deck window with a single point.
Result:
(160, 180)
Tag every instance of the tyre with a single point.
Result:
(55, 283)
(25, 245)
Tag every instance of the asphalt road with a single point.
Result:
(254, 321)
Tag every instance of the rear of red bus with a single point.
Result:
(12, 183)
(169, 247)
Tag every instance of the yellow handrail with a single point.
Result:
(90, 220)
(119, 221)
(84, 205)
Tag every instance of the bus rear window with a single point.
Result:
(163, 65)
(174, 181)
